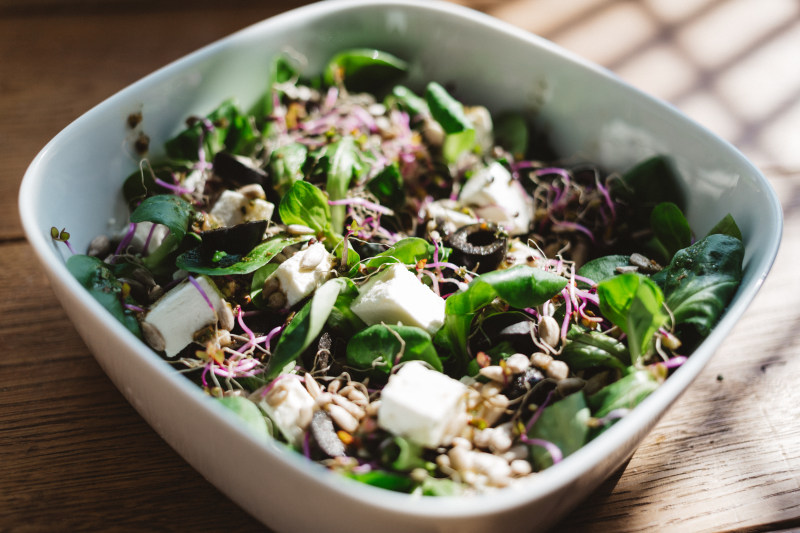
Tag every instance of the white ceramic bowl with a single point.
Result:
(75, 183)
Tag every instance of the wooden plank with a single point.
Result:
(76, 456)
(55, 68)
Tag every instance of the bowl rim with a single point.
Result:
(548, 481)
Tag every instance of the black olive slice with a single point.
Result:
(325, 436)
(238, 170)
(479, 247)
(238, 239)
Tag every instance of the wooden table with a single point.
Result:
(75, 456)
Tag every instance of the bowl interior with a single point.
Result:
(75, 181)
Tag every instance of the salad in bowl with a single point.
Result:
(409, 290)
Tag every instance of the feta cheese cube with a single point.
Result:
(156, 232)
(423, 405)
(498, 198)
(446, 213)
(233, 208)
(183, 310)
(304, 272)
(290, 407)
(396, 295)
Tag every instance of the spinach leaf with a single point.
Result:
(379, 346)
(408, 251)
(384, 480)
(282, 69)
(171, 211)
(446, 110)
(520, 286)
(625, 393)
(635, 304)
(305, 204)
(388, 187)
(565, 424)
(701, 280)
(195, 261)
(286, 166)
(409, 102)
(449, 113)
(602, 268)
(670, 227)
(342, 318)
(511, 132)
(591, 349)
(249, 414)
(304, 327)
(340, 162)
(232, 131)
(727, 226)
(403, 455)
(364, 69)
(104, 287)
(647, 184)
(140, 184)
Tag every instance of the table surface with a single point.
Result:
(74, 455)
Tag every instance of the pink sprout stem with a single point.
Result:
(202, 292)
(127, 239)
(177, 189)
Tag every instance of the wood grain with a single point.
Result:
(75, 456)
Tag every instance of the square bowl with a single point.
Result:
(75, 183)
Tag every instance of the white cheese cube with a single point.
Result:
(290, 407)
(182, 311)
(498, 198)
(301, 274)
(156, 233)
(233, 208)
(447, 213)
(521, 254)
(423, 405)
(396, 295)
(258, 209)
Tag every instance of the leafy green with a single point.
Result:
(408, 251)
(446, 110)
(340, 161)
(305, 204)
(249, 414)
(409, 102)
(286, 166)
(602, 268)
(647, 184)
(257, 283)
(171, 211)
(388, 187)
(140, 184)
(700, 281)
(456, 144)
(232, 131)
(635, 304)
(305, 327)
(384, 480)
(511, 132)
(565, 424)
(194, 261)
(625, 393)
(670, 227)
(402, 455)
(727, 226)
(364, 69)
(342, 318)
(520, 286)
(591, 349)
(104, 287)
(380, 346)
